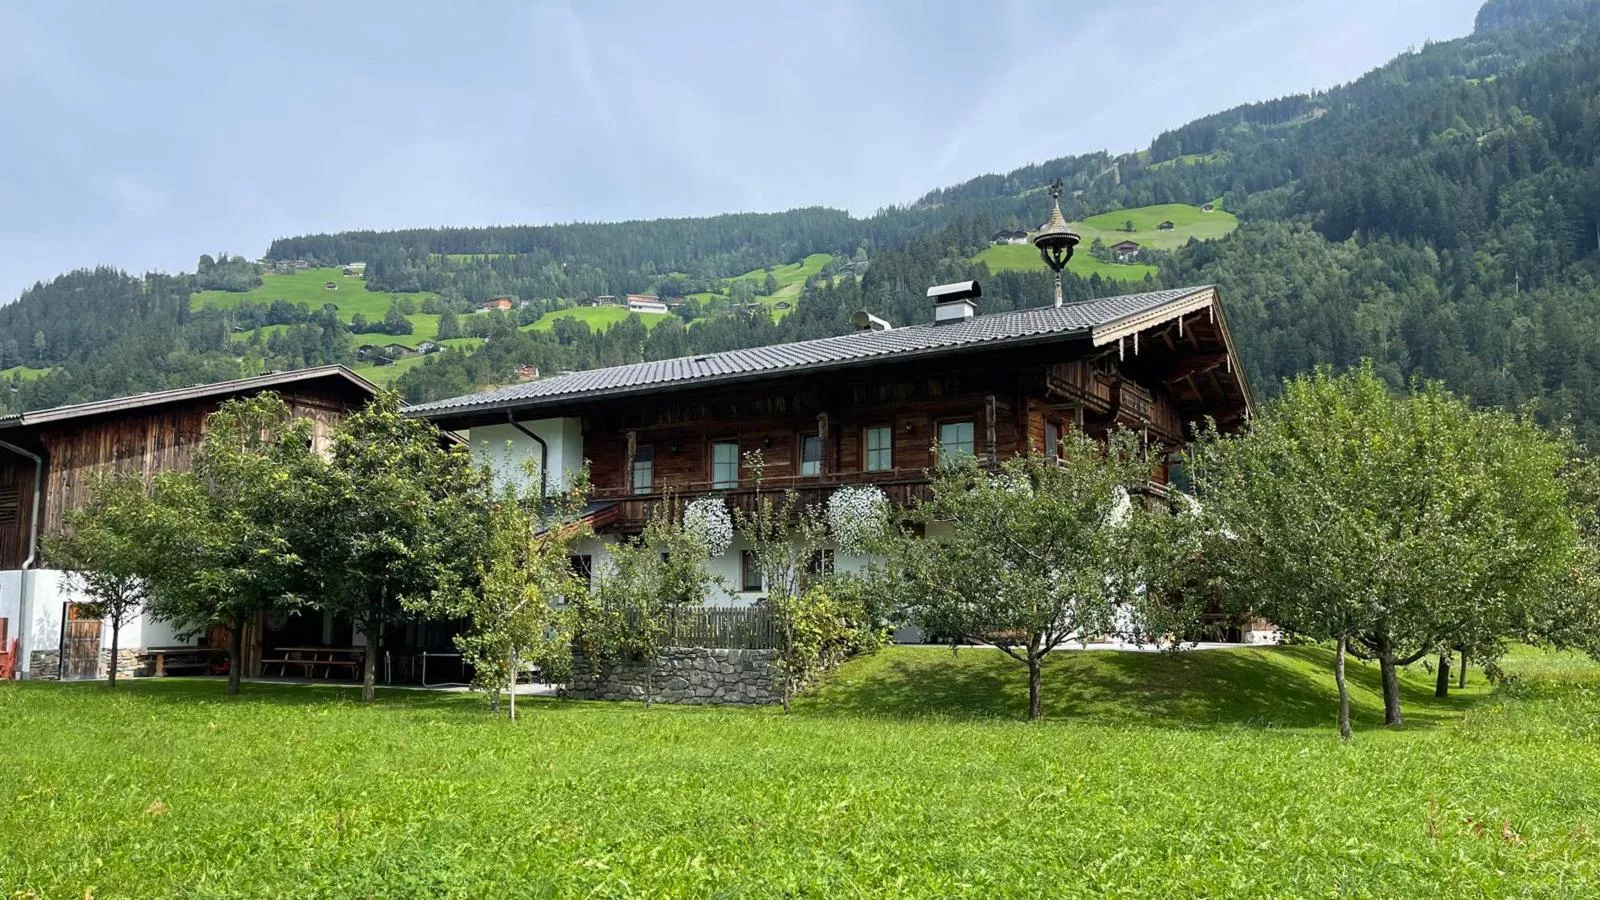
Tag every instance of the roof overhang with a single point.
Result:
(181, 395)
(1199, 299)
(1205, 299)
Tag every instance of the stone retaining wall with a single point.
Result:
(692, 675)
(45, 665)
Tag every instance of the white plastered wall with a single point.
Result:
(515, 455)
(49, 591)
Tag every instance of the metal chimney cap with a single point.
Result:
(955, 291)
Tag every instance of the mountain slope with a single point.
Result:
(1441, 215)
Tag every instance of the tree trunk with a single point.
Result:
(235, 656)
(369, 668)
(1441, 683)
(649, 678)
(1461, 676)
(511, 686)
(1344, 689)
(1035, 670)
(1391, 688)
(111, 670)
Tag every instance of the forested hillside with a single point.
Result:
(1440, 215)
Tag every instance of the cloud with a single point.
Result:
(144, 135)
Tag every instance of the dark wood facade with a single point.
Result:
(1158, 380)
(148, 439)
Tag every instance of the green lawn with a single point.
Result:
(24, 373)
(352, 297)
(1003, 257)
(1210, 774)
(387, 374)
(1189, 159)
(599, 317)
(791, 280)
(1188, 222)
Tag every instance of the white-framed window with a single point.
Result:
(880, 449)
(810, 455)
(644, 468)
(725, 465)
(955, 441)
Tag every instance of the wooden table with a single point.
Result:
(165, 660)
(309, 658)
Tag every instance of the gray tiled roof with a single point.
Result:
(913, 340)
(178, 395)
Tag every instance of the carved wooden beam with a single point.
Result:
(1194, 365)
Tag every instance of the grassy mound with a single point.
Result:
(1259, 686)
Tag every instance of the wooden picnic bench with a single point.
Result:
(165, 661)
(308, 659)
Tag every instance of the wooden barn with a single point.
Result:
(48, 460)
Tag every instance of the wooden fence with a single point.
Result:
(722, 628)
(725, 627)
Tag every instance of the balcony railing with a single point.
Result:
(901, 486)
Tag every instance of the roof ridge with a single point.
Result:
(1042, 322)
(145, 398)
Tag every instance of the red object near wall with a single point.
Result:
(8, 660)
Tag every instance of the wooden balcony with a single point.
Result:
(901, 486)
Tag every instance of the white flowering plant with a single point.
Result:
(708, 520)
(858, 515)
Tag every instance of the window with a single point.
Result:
(1052, 439)
(749, 571)
(725, 464)
(810, 454)
(955, 441)
(10, 505)
(880, 448)
(583, 567)
(644, 468)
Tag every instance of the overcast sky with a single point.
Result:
(145, 134)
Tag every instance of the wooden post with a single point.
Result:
(627, 464)
(988, 428)
(822, 438)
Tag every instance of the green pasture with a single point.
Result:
(1207, 774)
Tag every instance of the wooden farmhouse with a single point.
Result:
(48, 462)
(861, 408)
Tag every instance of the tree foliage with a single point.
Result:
(1396, 525)
(390, 515)
(514, 595)
(103, 550)
(1039, 551)
(220, 550)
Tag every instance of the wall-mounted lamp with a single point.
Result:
(910, 427)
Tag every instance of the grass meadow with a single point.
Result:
(909, 774)
(598, 318)
(1188, 222)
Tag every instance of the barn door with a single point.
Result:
(80, 645)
